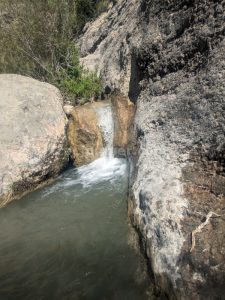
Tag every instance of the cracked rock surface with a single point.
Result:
(169, 58)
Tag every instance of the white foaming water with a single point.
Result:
(106, 124)
(107, 167)
(102, 169)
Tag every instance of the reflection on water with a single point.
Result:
(68, 241)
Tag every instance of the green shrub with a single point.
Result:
(88, 86)
(37, 40)
(77, 84)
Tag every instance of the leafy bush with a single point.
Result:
(37, 40)
(78, 84)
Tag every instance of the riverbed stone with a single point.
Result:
(33, 144)
(168, 57)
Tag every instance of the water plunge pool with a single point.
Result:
(69, 240)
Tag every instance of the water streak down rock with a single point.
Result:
(169, 58)
(32, 135)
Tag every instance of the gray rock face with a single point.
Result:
(32, 134)
(105, 44)
(173, 68)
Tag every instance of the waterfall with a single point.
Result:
(107, 167)
(106, 124)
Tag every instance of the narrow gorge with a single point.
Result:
(122, 197)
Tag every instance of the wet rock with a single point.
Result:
(84, 133)
(123, 112)
(32, 135)
(168, 57)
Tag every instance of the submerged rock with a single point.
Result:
(168, 56)
(84, 133)
(32, 135)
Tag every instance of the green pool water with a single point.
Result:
(69, 240)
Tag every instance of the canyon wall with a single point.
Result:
(168, 57)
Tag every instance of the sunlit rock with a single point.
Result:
(84, 134)
(123, 113)
(32, 135)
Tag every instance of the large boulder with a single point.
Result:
(168, 56)
(33, 145)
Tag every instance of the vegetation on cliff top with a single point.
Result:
(37, 40)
